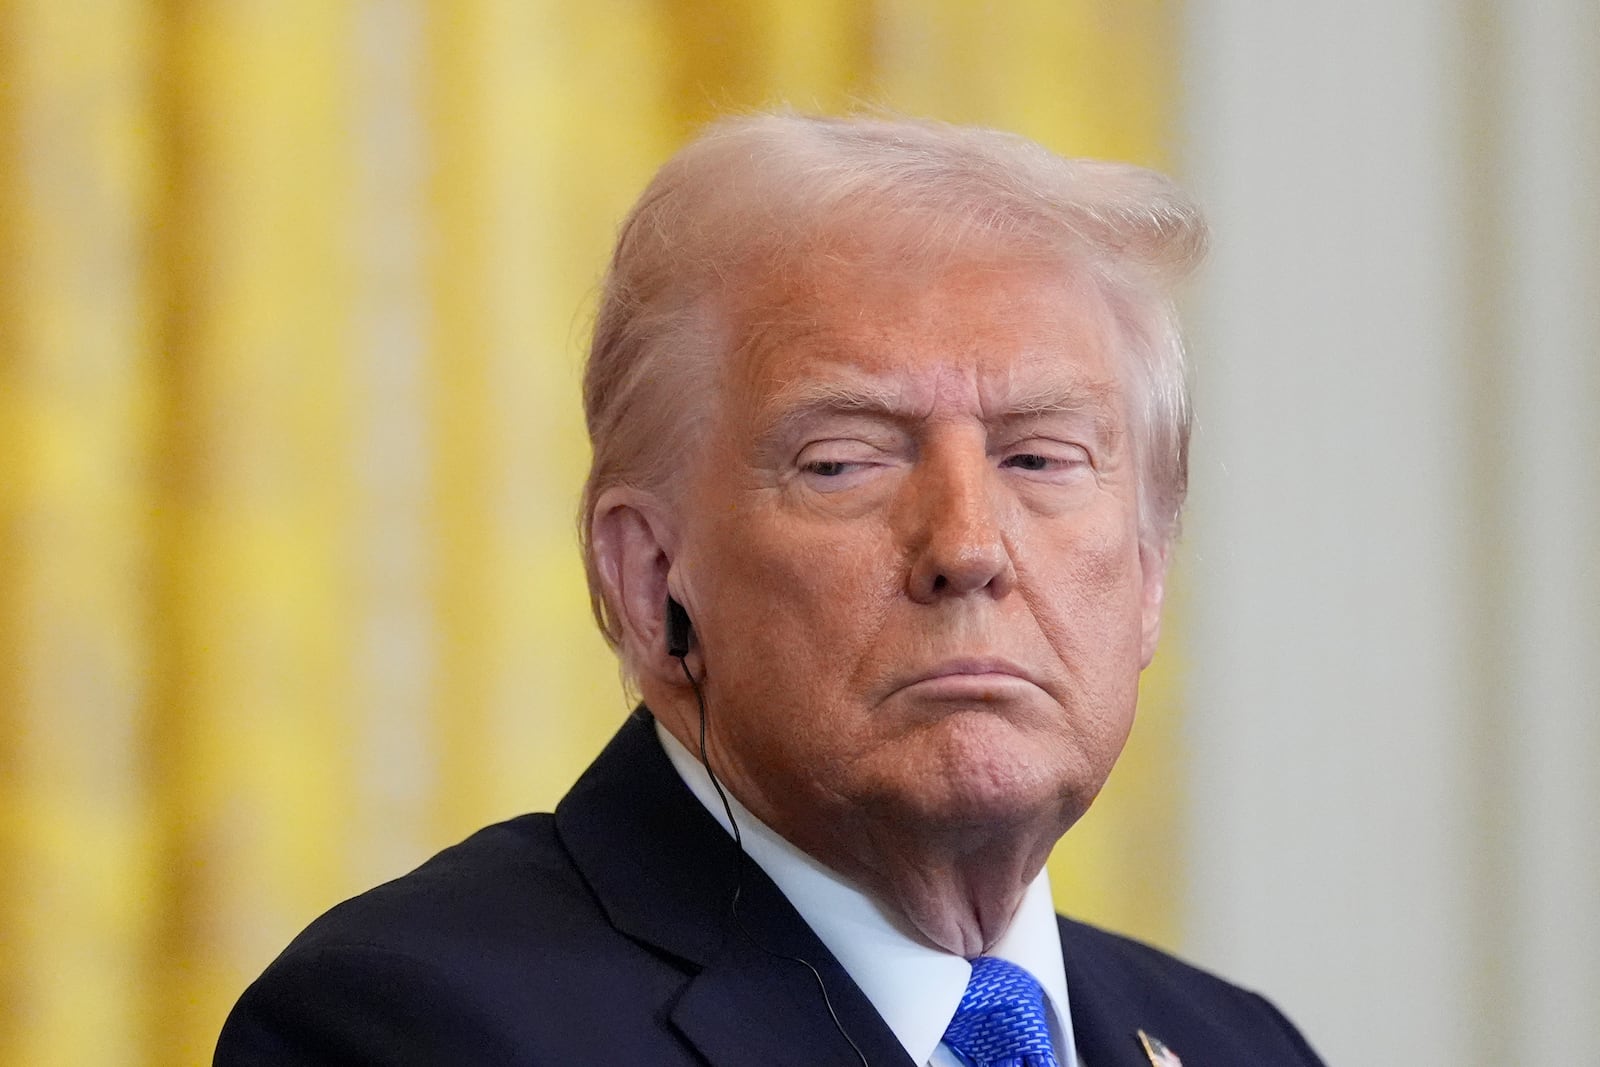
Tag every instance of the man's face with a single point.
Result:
(912, 552)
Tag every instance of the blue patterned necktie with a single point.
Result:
(1001, 1019)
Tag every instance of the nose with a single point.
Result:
(958, 546)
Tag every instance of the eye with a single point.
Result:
(1045, 457)
(839, 463)
(1028, 461)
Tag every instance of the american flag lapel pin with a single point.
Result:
(1160, 1055)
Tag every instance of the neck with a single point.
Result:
(955, 888)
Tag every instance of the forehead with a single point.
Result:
(997, 336)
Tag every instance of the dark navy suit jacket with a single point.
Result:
(600, 935)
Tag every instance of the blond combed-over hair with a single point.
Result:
(755, 196)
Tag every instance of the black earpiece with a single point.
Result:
(679, 630)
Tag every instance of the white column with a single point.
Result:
(1395, 524)
(1550, 630)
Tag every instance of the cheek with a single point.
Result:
(795, 622)
(766, 565)
(785, 599)
(1089, 615)
(1091, 600)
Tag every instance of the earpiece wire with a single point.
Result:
(738, 874)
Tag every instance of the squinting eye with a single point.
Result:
(826, 468)
(1028, 461)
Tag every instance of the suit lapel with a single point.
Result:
(662, 870)
(654, 859)
(1105, 1027)
(752, 1005)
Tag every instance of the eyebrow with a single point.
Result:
(1092, 395)
(796, 405)
(800, 403)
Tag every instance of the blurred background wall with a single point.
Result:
(293, 296)
(1393, 708)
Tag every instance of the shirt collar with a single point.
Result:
(914, 987)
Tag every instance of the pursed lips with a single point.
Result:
(969, 676)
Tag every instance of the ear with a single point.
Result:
(634, 542)
(1153, 565)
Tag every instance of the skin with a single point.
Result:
(910, 549)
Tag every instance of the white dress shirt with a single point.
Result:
(914, 988)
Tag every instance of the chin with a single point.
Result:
(979, 770)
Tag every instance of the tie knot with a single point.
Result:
(1001, 1020)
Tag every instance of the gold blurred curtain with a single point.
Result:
(292, 299)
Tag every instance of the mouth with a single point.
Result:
(981, 680)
